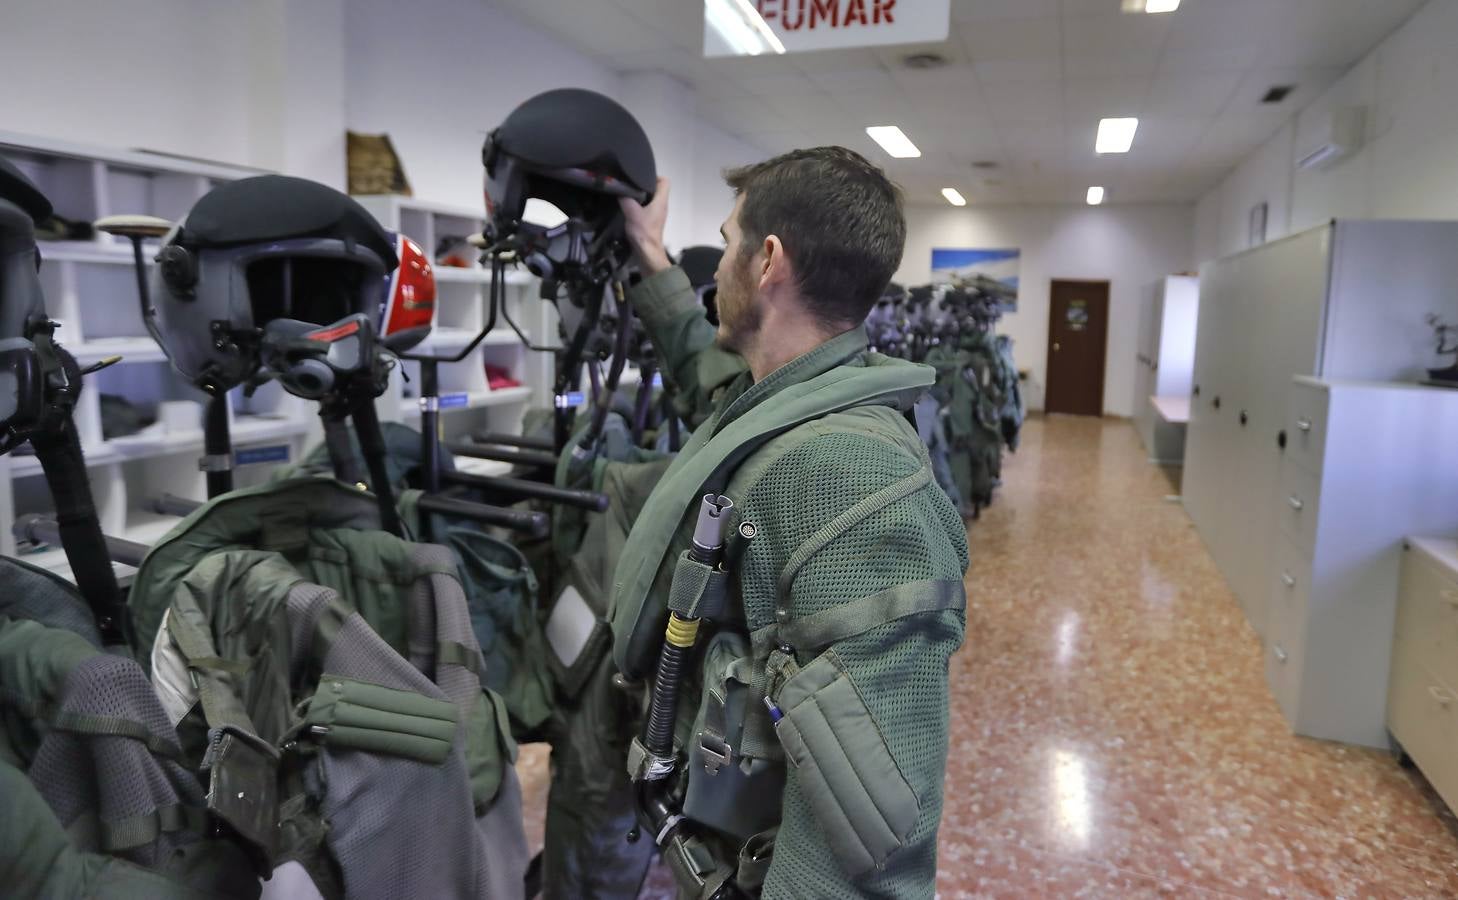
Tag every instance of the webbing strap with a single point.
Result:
(81, 723)
(847, 520)
(454, 653)
(697, 590)
(859, 616)
(137, 831)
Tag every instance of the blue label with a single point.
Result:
(255, 455)
(657, 379)
(571, 400)
(452, 401)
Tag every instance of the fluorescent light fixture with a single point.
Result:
(1115, 135)
(954, 196)
(1149, 6)
(894, 141)
(742, 27)
(1095, 196)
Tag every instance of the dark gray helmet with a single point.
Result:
(579, 151)
(259, 251)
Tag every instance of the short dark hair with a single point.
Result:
(839, 218)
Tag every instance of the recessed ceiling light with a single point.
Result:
(894, 141)
(954, 196)
(1115, 135)
(1095, 196)
(1149, 6)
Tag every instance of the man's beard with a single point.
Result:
(739, 319)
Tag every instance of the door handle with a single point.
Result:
(1056, 347)
(1290, 581)
(1440, 695)
(1295, 502)
(1303, 424)
(1279, 653)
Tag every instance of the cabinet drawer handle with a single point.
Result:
(1280, 654)
(1295, 502)
(1303, 424)
(1291, 581)
(1450, 596)
(1440, 695)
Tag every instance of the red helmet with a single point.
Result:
(407, 310)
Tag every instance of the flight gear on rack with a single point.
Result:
(351, 677)
(844, 635)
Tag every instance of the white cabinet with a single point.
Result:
(1374, 465)
(1422, 704)
(1343, 301)
(1165, 361)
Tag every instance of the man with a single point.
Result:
(814, 724)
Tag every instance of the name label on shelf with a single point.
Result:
(255, 455)
(452, 401)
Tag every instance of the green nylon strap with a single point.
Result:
(454, 653)
(697, 590)
(859, 616)
(137, 831)
(81, 723)
(222, 664)
(846, 521)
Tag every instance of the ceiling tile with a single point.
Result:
(1011, 39)
(1191, 95)
(991, 10)
(1003, 71)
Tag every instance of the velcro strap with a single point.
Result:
(698, 590)
(376, 719)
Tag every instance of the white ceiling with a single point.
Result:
(1025, 86)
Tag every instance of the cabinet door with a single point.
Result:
(1201, 477)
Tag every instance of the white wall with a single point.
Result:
(1128, 246)
(169, 74)
(1408, 168)
(437, 75)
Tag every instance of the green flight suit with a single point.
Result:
(844, 607)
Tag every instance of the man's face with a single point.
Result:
(739, 315)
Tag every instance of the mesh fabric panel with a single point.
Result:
(900, 668)
(116, 778)
(30, 593)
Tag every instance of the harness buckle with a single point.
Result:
(714, 751)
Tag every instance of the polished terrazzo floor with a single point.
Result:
(1112, 733)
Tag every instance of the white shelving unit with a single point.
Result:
(91, 290)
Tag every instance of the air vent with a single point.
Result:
(1278, 92)
(986, 164)
(924, 61)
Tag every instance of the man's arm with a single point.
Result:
(693, 368)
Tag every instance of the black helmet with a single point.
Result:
(22, 305)
(580, 152)
(700, 264)
(255, 270)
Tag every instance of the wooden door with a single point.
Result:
(1078, 330)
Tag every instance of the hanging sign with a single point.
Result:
(770, 27)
